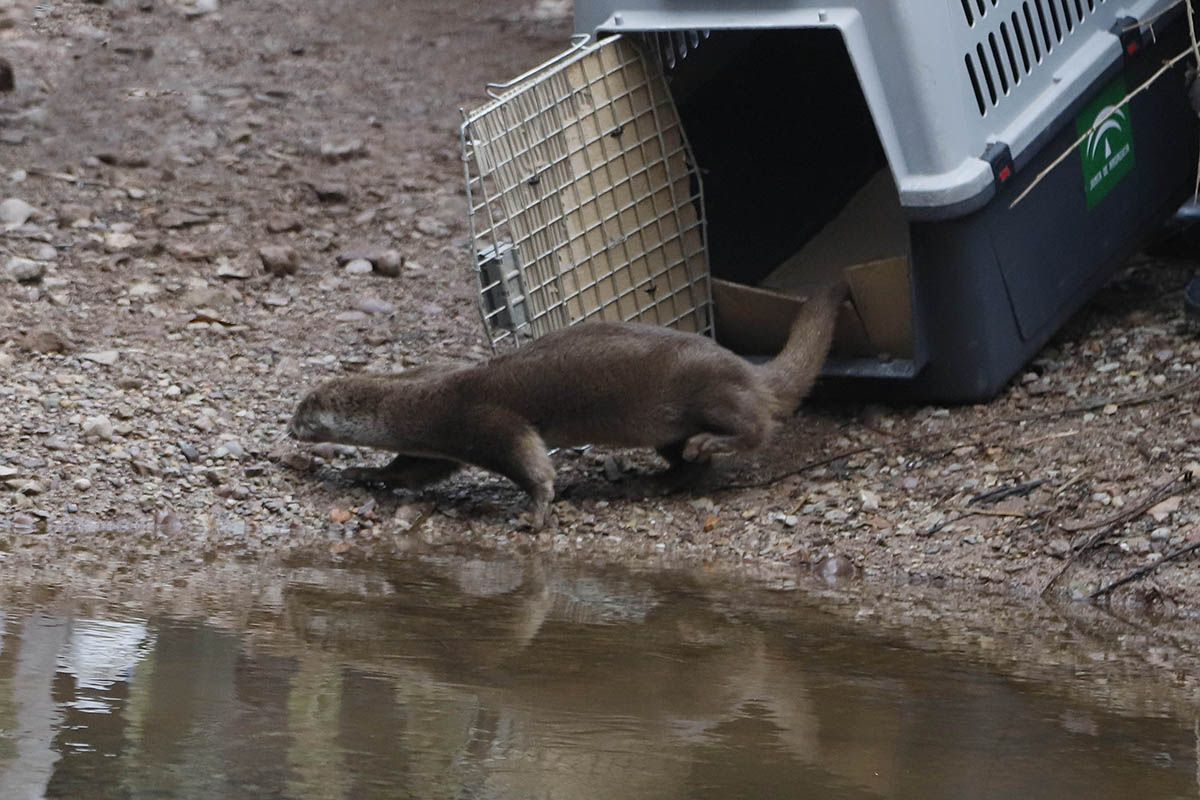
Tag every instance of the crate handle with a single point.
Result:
(578, 41)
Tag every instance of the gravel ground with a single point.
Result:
(215, 205)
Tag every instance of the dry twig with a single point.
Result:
(1124, 102)
(1142, 572)
(1159, 492)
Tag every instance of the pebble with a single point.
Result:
(834, 568)
(175, 219)
(118, 241)
(202, 7)
(230, 448)
(15, 212)
(431, 226)
(189, 452)
(1138, 544)
(342, 149)
(1162, 511)
(24, 270)
(74, 216)
(279, 260)
(389, 263)
(98, 427)
(374, 305)
(81, 484)
(236, 270)
(359, 266)
(144, 289)
(297, 461)
(105, 357)
(44, 340)
(1058, 547)
(330, 192)
(283, 223)
(612, 470)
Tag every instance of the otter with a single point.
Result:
(609, 383)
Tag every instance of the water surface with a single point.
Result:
(466, 678)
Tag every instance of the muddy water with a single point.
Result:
(461, 678)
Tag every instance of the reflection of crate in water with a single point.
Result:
(583, 177)
(884, 142)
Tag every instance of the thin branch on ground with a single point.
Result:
(1003, 493)
(1160, 491)
(1163, 489)
(1142, 572)
(1082, 476)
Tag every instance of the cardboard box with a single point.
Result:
(866, 245)
(875, 321)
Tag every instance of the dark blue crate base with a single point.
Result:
(991, 288)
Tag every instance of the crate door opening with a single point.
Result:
(584, 200)
(797, 190)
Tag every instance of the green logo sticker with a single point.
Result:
(1107, 151)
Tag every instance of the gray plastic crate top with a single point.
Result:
(943, 79)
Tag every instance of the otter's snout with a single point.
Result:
(302, 426)
(301, 431)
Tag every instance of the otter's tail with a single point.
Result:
(792, 373)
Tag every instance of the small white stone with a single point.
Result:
(202, 7)
(24, 270)
(98, 427)
(117, 241)
(105, 357)
(231, 448)
(15, 212)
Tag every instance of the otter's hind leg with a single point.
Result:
(734, 422)
(680, 472)
(406, 472)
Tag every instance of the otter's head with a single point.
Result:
(345, 411)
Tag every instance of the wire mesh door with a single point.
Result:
(585, 202)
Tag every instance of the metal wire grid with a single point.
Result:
(584, 200)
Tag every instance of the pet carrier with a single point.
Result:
(704, 164)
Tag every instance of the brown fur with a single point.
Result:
(620, 384)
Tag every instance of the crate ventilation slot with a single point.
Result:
(671, 47)
(584, 199)
(1016, 37)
